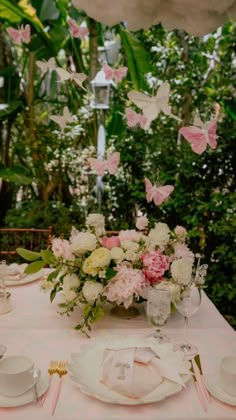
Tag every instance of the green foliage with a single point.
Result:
(34, 267)
(28, 255)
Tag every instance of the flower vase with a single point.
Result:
(119, 311)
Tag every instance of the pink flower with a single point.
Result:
(110, 242)
(129, 235)
(141, 222)
(154, 265)
(182, 251)
(61, 248)
(125, 286)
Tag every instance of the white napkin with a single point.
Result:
(135, 372)
(15, 272)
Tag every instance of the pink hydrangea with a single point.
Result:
(110, 242)
(125, 286)
(61, 248)
(141, 222)
(154, 265)
(129, 235)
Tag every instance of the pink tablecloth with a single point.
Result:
(34, 328)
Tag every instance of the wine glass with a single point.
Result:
(187, 306)
(158, 311)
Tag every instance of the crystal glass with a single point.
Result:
(187, 306)
(158, 311)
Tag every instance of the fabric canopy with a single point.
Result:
(197, 17)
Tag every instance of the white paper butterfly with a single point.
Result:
(64, 119)
(200, 274)
(64, 75)
(44, 66)
(153, 105)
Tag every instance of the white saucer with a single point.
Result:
(215, 389)
(27, 397)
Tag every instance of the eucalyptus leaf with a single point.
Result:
(27, 254)
(47, 256)
(34, 267)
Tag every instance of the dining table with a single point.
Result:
(34, 328)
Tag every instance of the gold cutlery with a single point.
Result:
(51, 370)
(61, 370)
(199, 365)
(197, 386)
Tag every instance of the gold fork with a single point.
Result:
(61, 370)
(51, 370)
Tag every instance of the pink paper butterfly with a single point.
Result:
(76, 30)
(201, 136)
(20, 35)
(110, 165)
(157, 193)
(133, 118)
(117, 74)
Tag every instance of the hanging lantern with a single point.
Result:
(101, 91)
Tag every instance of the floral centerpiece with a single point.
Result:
(91, 268)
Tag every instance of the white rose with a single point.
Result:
(181, 271)
(160, 235)
(70, 282)
(131, 255)
(91, 290)
(181, 233)
(117, 254)
(100, 258)
(82, 242)
(97, 221)
(132, 246)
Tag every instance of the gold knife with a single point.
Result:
(199, 365)
(198, 388)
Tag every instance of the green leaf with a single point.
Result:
(16, 174)
(138, 59)
(27, 254)
(53, 294)
(52, 275)
(47, 256)
(110, 273)
(34, 267)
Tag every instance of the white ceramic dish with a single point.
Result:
(27, 397)
(88, 365)
(28, 278)
(213, 385)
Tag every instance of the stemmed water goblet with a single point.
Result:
(187, 305)
(158, 311)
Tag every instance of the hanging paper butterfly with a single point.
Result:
(44, 66)
(78, 78)
(200, 135)
(76, 30)
(200, 274)
(133, 118)
(64, 119)
(157, 193)
(110, 165)
(117, 74)
(153, 105)
(20, 35)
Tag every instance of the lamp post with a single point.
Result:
(101, 89)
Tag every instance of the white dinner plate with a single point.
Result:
(28, 396)
(88, 365)
(213, 385)
(28, 278)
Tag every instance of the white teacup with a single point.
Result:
(228, 374)
(17, 375)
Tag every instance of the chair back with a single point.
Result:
(29, 238)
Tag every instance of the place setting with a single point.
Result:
(20, 381)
